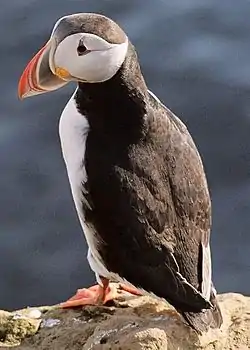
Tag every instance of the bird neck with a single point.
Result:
(118, 104)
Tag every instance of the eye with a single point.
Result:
(82, 49)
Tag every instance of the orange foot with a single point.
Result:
(98, 295)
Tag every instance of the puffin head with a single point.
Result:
(84, 47)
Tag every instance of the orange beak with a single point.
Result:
(28, 81)
(37, 77)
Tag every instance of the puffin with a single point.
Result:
(136, 176)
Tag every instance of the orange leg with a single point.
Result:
(98, 295)
(130, 290)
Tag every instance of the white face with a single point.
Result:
(99, 62)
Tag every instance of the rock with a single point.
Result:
(138, 323)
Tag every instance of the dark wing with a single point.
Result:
(154, 225)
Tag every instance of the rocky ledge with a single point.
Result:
(133, 324)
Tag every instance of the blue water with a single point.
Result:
(195, 56)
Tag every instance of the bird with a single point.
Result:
(136, 176)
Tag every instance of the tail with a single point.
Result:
(209, 318)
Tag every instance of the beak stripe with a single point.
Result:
(28, 80)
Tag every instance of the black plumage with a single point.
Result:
(149, 200)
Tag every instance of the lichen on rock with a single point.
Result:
(17, 325)
(138, 323)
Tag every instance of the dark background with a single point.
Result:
(195, 56)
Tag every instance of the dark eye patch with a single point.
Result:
(82, 49)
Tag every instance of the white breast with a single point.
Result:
(73, 131)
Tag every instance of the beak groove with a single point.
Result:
(40, 75)
(28, 83)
